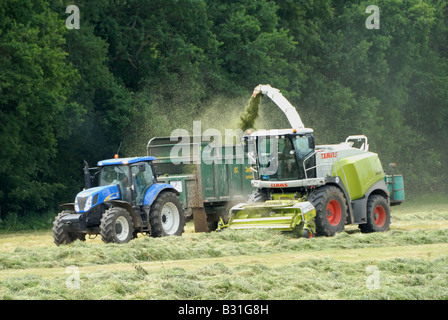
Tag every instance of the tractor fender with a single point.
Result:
(154, 190)
(125, 205)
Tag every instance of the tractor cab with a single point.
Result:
(125, 179)
(133, 176)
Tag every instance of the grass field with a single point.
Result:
(408, 262)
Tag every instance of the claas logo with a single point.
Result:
(279, 185)
(329, 155)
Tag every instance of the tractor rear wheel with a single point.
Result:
(167, 216)
(60, 234)
(116, 226)
(331, 210)
(378, 215)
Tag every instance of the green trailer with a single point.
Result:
(210, 179)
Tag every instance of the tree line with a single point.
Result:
(136, 69)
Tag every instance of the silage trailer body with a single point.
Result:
(210, 179)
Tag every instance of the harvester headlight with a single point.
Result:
(76, 205)
(88, 204)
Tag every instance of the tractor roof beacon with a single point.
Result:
(313, 189)
(128, 200)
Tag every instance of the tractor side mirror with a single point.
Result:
(141, 167)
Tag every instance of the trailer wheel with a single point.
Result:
(116, 226)
(378, 215)
(61, 235)
(167, 216)
(331, 210)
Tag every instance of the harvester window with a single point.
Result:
(304, 153)
(302, 146)
(268, 155)
(287, 167)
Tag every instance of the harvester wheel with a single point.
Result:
(307, 233)
(300, 231)
(116, 226)
(331, 210)
(378, 215)
(60, 234)
(167, 216)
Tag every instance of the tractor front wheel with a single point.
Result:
(60, 234)
(116, 226)
(331, 210)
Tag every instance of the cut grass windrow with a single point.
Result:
(410, 261)
(213, 245)
(426, 252)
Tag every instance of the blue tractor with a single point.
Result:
(128, 200)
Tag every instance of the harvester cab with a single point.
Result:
(127, 200)
(280, 155)
(312, 189)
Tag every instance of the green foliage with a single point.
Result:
(35, 80)
(141, 68)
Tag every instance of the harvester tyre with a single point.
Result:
(331, 210)
(116, 226)
(167, 216)
(60, 234)
(378, 215)
(300, 231)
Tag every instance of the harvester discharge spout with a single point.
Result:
(287, 108)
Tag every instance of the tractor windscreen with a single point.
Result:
(115, 175)
(282, 157)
